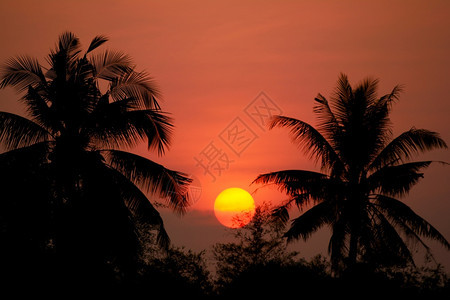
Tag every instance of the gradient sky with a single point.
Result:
(212, 59)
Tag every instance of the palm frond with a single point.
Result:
(112, 126)
(328, 124)
(310, 141)
(400, 225)
(38, 108)
(141, 207)
(138, 86)
(406, 144)
(30, 157)
(17, 131)
(111, 65)
(365, 93)
(152, 177)
(97, 42)
(378, 124)
(65, 54)
(280, 177)
(116, 124)
(386, 242)
(397, 180)
(293, 182)
(158, 129)
(21, 72)
(310, 221)
(280, 214)
(402, 213)
(63, 61)
(343, 93)
(391, 97)
(305, 187)
(68, 42)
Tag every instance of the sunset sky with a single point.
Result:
(217, 61)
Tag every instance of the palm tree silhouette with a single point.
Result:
(363, 172)
(83, 109)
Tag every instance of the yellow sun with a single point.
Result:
(234, 207)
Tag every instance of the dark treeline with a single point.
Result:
(257, 264)
(77, 214)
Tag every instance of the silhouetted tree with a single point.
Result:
(171, 272)
(365, 171)
(429, 281)
(82, 110)
(258, 263)
(259, 242)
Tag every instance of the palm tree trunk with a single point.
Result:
(353, 250)
(355, 213)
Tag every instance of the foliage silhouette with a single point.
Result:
(172, 272)
(71, 193)
(258, 263)
(258, 243)
(364, 172)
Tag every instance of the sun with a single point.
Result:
(234, 207)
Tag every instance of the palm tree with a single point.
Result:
(363, 173)
(82, 110)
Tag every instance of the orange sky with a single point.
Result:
(213, 58)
